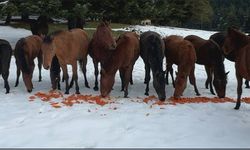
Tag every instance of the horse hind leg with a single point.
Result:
(209, 76)
(239, 91)
(40, 61)
(192, 81)
(75, 77)
(127, 77)
(247, 84)
(66, 77)
(96, 88)
(147, 78)
(122, 76)
(84, 70)
(5, 75)
(18, 72)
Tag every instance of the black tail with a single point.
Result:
(20, 56)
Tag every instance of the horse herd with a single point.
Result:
(61, 48)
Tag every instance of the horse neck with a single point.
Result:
(219, 70)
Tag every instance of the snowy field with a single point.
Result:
(126, 122)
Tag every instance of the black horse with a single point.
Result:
(219, 38)
(39, 26)
(5, 57)
(152, 52)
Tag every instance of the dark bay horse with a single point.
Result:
(55, 71)
(239, 43)
(101, 47)
(182, 53)
(219, 38)
(68, 46)
(5, 58)
(208, 53)
(123, 58)
(152, 52)
(26, 50)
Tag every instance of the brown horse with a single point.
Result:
(209, 54)
(182, 53)
(68, 47)
(123, 58)
(101, 47)
(239, 43)
(26, 50)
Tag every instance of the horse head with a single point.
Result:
(48, 51)
(107, 82)
(159, 84)
(105, 37)
(220, 84)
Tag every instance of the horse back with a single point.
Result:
(151, 47)
(32, 46)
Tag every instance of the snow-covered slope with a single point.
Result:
(125, 122)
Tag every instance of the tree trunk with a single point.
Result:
(8, 19)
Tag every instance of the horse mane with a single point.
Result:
(49, 38)
(238, 36)
(20, 55)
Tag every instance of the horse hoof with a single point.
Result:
(78, 92)
(147, 94)
(247, 87)
(96, 88)
(236, 108)
(87, 86)
(198, 94)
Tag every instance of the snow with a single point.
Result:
(124, 123)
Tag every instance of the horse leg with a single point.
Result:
(127, 76)
(96, 75)
(84, 70)
(172, 76)
(147, 78)
(192, 81)
(166, 79)
(66, 77)
(247, 84)
(122, 76)
(209, 77)
(40, 61)
(131, 77)
(5, 75)
(75, 76)
(18, 72)
(239, 91)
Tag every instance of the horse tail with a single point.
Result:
(20, 56)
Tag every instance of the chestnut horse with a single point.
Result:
(238, 43)
(182, 53)
(219, 38)
(208, 53)
(26, 50)
(68, 47)
(101, 47)
(152, 52)
(5, 58)
(122, 58)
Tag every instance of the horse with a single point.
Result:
(5, 58)
(219, 38)
(101, 47)
(152, 52)
(68, 47)
(123, 58)
(40, 26)
(26, 50)
(182, 53)
(238, 43)
(208, 53)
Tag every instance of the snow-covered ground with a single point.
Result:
(124, 123)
